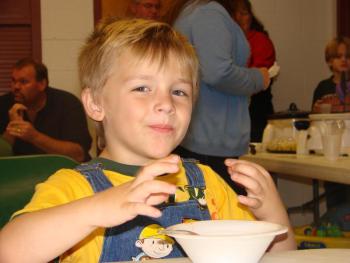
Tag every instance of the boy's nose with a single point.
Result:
(165, 104)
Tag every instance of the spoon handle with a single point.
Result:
(177, 232)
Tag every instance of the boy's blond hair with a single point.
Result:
(331, 50)
(145, 39)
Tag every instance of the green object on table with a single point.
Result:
(321, 231)
(334, 230)
(5, 148)
(20, 174)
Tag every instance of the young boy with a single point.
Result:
(329, 95)
(140, 80)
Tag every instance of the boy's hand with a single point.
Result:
(262, 199)
(122, 203)
(262, 196)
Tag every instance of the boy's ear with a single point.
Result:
(93, 110)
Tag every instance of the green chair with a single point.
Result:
(5, 148)
(20, 174)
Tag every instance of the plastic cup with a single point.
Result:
(302, 142)
(332, 133)
(331, 146)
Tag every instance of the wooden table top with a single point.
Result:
(296, 256)
(310, 166)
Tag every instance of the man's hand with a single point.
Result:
(16, 112)
(21, 129)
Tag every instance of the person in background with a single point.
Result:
(220, 126)
(329, 97)
(146, 9)
(140, 81)
(38, 119)
(262, 54)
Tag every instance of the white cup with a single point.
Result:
(331, 146)
(302, 142)
(332, 133)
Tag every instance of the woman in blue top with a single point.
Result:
(220, 126)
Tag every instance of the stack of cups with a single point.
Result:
(332, 133)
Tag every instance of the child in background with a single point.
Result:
(329, 96)
(140, 81)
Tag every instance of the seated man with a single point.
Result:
(146, 9)
(37, 119)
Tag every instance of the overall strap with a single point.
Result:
(194, 174)
(94, 174)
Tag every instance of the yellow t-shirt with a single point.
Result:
(67, 185)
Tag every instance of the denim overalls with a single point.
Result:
(137, 239)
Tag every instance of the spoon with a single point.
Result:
(177, 232)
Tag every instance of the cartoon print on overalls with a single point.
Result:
(198, 194)
(153, 244)
(120, 242)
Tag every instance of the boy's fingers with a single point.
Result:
(249, 169)
(146, 189)
(156, 199)
(253, 203)
(249, 183)
(235, 162)
(143, 209)
(153, 170)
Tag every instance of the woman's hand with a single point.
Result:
(265, 73)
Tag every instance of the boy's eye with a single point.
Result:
(180, 93)
(141, 89)
(346, 56)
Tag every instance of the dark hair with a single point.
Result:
(178, 5)
(40, 69)
(246, 5)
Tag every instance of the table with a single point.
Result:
(296, 256)
(316, 167)
(308, 255)
(309, 166)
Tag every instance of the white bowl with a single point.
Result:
(226, 240)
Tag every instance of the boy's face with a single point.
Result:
(147, 109)
(341, 63)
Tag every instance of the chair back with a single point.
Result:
(20, 174)
(5, 148)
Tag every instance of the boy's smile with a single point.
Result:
(147, 109)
